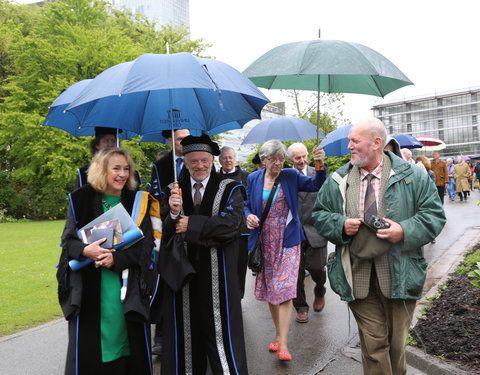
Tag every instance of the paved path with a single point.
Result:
(322, 346)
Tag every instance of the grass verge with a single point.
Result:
(29, 252)
(471, 259)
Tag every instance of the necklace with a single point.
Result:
(107, 206)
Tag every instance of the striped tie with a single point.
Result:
(370, 207)
(197, 197)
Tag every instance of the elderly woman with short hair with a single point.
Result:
(106, 335)
(281, 233)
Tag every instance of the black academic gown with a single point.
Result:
(80, 301)
(241, 176)
(204, 318)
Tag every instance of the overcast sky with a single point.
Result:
(433, 42)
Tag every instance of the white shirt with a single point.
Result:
(229, 172)
(202, 191)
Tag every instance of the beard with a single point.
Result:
(360, 161)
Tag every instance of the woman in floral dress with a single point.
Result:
(281, 234)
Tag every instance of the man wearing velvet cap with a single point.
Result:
(203, 319)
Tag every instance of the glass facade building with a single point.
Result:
(175, 12)
(452, 116)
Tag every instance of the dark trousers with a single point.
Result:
(242, 262)
(441, 192)
(314, 260)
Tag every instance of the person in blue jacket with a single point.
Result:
(281, 233)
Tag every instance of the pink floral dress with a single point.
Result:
(277, 281)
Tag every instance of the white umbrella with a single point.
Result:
(431, 143)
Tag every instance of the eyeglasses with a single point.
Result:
(275, 160)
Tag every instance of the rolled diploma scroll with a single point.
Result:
(129, 238)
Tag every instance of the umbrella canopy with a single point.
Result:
(431, 143)
(159, 92)
(407, 141)
(283, 129)
(58, 117)
(159, 138)
(336, 142)
(331, 66)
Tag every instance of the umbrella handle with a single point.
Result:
(319, 165)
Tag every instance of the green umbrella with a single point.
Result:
(331, 66)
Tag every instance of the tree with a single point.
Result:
(331, 116)
(45, 51)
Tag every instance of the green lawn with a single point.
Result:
(29, 253)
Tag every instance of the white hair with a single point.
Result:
(227, 148)
(272, 147)
(294, 146)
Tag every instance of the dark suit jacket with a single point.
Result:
(239, 175)
(306, 202)
(162, 174)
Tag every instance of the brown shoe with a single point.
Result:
(318, 304)
(302, 317)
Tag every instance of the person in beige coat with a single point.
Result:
(461, 173)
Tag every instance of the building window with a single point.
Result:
(474, 120)
(409, 128)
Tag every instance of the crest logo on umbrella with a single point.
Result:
(175, 117)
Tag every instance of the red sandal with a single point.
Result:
(273, 347)
(284, 355)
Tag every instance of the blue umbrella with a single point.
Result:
(336, 142)
(58, 117)
(161, 92)
(407, 141)
(283, 129)
(159, 138)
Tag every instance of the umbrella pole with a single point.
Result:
(318, 111)
(173, 141)
(318, 164)
(175, 182)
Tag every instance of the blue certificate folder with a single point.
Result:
(130, 232)
(107, 233)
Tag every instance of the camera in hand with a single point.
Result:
(375, 223)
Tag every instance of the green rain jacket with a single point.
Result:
(411, 199)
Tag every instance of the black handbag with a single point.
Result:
(255, 258)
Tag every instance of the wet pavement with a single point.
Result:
(324, 345)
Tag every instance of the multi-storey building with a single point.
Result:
(175, 12)
(451, 116)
